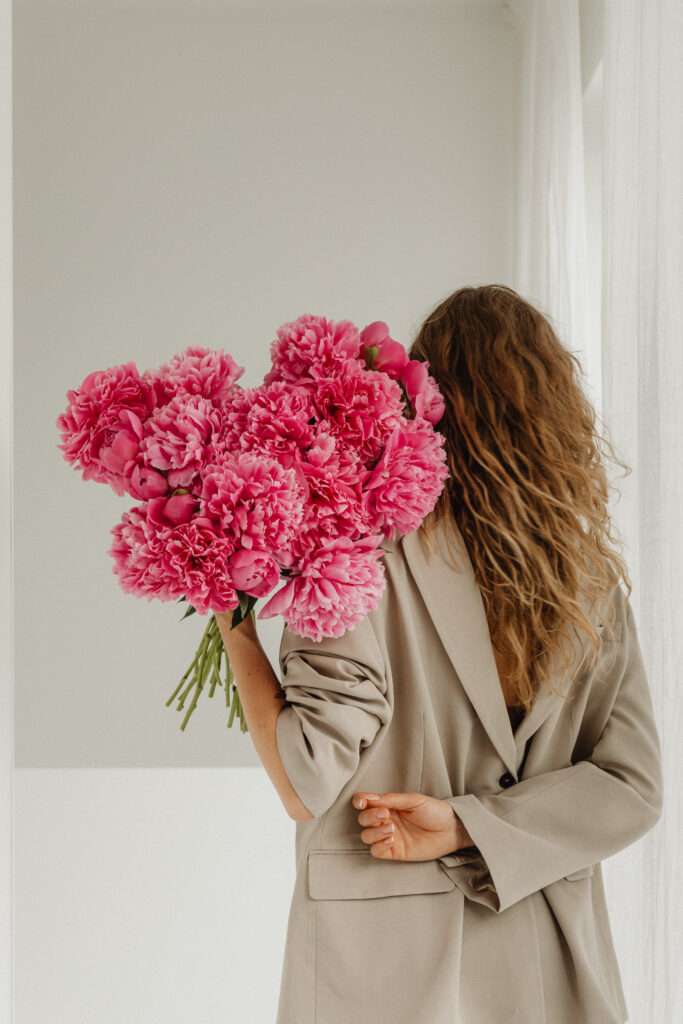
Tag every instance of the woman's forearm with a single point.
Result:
(261, 697)
(262, 700)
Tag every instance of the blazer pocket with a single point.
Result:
(357, 875)
(581, 873)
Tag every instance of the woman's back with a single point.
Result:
(410, 701)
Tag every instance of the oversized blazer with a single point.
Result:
(515, 928)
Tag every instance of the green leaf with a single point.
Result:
(247, 602)
(189, 611)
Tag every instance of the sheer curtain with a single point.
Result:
(551, 252)
(604, 261)
(643, 406)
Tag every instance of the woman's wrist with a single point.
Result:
(235, 638)
(460, 837)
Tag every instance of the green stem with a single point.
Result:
(205, 668)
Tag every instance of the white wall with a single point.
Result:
(200, 178)
(149, 896)
(200, 173)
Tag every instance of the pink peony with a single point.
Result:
(409, 477)
(155, 560)
(101, 427)
(311, 347)
(373, 334)
(387, 354)
(179, 436)
(335, 588)
(173, 511)
(334, 500)
(254, 500)
(146, 482)
(276, 419)
(422, 390)
(210, 373)
(361, 407)
(254, 572)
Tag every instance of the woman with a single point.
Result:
(460, 763)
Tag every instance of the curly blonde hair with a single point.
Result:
(528, 487)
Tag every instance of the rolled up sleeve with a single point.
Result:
(335, 704)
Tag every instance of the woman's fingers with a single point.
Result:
(399, 801)
(378, 833)
(386, 849)
(374, 816)
(360, 800)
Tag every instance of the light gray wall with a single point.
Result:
(201, 177)
(149, 896)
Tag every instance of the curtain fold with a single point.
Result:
(642, 373)
(550, 264)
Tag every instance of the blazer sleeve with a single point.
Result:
(335, 703)
(554, 824)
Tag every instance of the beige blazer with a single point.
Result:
(516, 931)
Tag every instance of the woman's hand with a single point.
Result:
(409, 826)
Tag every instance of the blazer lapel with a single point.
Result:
(455, 604)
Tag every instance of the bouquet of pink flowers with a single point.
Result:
(291, 485)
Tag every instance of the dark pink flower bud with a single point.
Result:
(173, 511)
(422, 390)
(146, 482)
(374, 333)
(391, 357)
(253, 572)
(119, 455)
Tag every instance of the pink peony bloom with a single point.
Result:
(179, 436)
(209, 373)
(334, 499)
(423, 391)
(155, 560)
(102, 424)
(409, 477)
(254, 572)
(173, 511)
(388, 355)
(362, 408)
(336, 587)
(323, 447)
(235, 418)
(275, 419)
(311, 347)
(254, 500)
(118, 457)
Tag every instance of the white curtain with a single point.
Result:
(643, 406)
(551, 252)
(630, 342)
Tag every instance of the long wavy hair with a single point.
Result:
(528, 487)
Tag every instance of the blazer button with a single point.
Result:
(507, 779)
